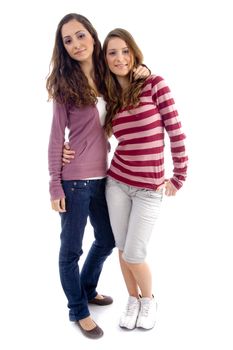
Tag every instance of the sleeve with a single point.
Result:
(56, 142)
(161, 95)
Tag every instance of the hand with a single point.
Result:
(67, 154)
(59, 205)
(141, 72)
(170, 189)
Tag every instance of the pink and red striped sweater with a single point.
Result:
(139, 157)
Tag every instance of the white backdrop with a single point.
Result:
(189, 43)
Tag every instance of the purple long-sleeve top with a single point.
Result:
(86, 138)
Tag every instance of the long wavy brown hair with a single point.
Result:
(117, 98)
(66, 82)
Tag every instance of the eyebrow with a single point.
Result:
(123, 48)
(68, 36)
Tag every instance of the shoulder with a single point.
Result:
(60, 107)
(154, 83)
(156, 79)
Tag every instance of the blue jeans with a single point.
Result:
(84, 198)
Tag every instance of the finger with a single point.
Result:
(63, 205)
(174, 192)
(55, 205)
(68, 154)
(168, 189)
(136, 71)
(161, 187)
(137, 76)
(67, 146)
(173, 189)
(65, 161)
(59, 206)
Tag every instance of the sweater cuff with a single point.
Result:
(178, 184)
(56, 191)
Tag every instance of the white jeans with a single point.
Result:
(133, 213)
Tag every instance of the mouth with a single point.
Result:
(79, 52)
(121, 66)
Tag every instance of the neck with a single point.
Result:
(124, 82)
(88, 69)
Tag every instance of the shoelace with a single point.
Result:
(145, 309)
(130, 309)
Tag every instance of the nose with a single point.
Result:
(76, 43)
(119, 56)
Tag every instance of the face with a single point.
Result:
(119, 57)
(77, 41)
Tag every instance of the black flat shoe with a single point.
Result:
(94, 333)
(105, 301)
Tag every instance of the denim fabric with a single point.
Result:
(84, 198)
(133, 213)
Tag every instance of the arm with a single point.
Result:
(161, 95)
(56, 142)
(68, 154)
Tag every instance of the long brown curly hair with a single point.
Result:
(117, 98)
(66, 82)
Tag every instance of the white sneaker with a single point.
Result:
(129, 317)
(147, 314)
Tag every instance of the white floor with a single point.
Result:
(191, 262)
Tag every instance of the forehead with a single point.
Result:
(116, 43)
(72, 27)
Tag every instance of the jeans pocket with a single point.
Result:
(68, 187)
(159, 191)
(151, 193)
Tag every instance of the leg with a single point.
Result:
(129, 316)
(130, 281)
(119, 205)
(73, 223)
(142, 277)
(145, 211)
(104, 240)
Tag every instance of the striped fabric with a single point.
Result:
(139, 157)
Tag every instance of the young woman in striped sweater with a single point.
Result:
(138, 114)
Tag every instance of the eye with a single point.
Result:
(81, 35)
(67, 41)
(125, 51)
(112, 53)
